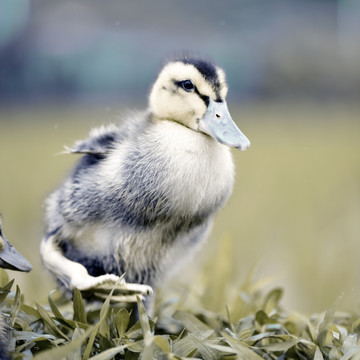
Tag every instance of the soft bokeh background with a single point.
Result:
(294, 73)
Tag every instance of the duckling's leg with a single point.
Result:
(75, 275)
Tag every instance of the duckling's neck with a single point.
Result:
(182, 137)
(201, 169)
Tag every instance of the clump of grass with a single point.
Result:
(75, 330)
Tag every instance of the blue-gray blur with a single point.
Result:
(80, 50)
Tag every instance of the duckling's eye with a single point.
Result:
(187, 85)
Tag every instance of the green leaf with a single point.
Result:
(245, 328)
(353, 354)
(136, 346)
(16, 305)
(135, 332)
(23, 323)
(272, 300)
(311, 331)
(261, 336)
(30, 311)
(49, 322)
(144, 320)
(184, 347)
(59, 317)
(4, 291)
(355, 328)
(349, 343)
(60, 353)
(53, 307)
(222, 349)
(30, 336)
(162, 343)
(122, 320)
(190, 322)
(283, 342)
(79, 307)
(280, 346)
(323, 334)
(68, 323)
(76, 353)
(90, 343)
(242, 350)
(335, 353)
(109, 354)
(262, 318)
(147, 333)
(103, 315)
(207, 352)
(305, 348)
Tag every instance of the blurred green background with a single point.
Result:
(294, 73)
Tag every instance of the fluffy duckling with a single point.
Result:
(143, 196)
(10, 259)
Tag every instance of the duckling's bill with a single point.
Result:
(218, 124)
(10, 258)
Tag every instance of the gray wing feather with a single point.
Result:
(100, 141)
(104, 139)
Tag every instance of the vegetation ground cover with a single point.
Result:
(78, 330)
(295, 206)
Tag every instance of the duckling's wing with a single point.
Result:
(105, 138)
(101, 141)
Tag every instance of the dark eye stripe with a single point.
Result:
(204, 98)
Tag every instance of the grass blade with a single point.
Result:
(79, 307)
(50, 323)
(109, 354)
(4, 291)
(60, 353)
(122, 320)
(190, 322)
(103, 315)
(242, 350)
(76, 353)
(16, 305)
(147, 333)
(207, 352)
(324, 325)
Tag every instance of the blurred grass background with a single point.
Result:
(295, 207)
(294, 76)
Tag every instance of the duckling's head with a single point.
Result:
(192, 92)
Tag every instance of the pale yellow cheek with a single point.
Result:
(191, 111)
(173, 104)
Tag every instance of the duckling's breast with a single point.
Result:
(200, 171)
(169, 173)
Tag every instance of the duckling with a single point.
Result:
(10, 259)
(144, 194)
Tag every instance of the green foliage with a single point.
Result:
(75, 330)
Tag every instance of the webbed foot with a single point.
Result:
(100, 287)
